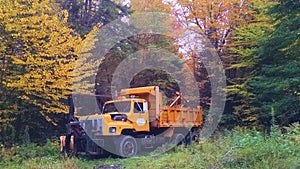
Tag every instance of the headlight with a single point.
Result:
(112, 129)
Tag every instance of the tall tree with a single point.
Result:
(248, 42)
(276, 84)
(37, 50)
(133, 44)
(46, 47)
(214, 19)
(269, 66)
(217, 22)
(85, 14)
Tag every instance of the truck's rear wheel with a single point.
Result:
(195, 137)
(127, 147)
(178, 139)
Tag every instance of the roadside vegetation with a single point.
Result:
(229, 149)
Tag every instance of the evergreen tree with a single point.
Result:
(269, 67)
(248, 42)
(276, 84)
(85, 14)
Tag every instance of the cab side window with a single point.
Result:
(138, 107)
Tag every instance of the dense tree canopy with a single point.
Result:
(40, 42)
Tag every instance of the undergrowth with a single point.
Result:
(232, 149)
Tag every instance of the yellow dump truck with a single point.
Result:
(134, 122)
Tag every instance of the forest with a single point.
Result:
(42, 42)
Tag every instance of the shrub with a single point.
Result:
(50, 149)
(239, 148)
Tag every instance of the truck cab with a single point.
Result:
(117, 116)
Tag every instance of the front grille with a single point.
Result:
(93, 126)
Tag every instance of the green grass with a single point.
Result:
(234, 149)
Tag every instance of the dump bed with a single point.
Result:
(165, 116)
(180, 117)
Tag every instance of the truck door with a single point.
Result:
(141, 116)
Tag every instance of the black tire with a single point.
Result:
(179, 139)
(195, 137)
(188, 138)
(127, 147)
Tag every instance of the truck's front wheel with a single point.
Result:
(127, 147)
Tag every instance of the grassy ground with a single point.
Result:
(234, 149)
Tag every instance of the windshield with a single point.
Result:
(123, 107)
